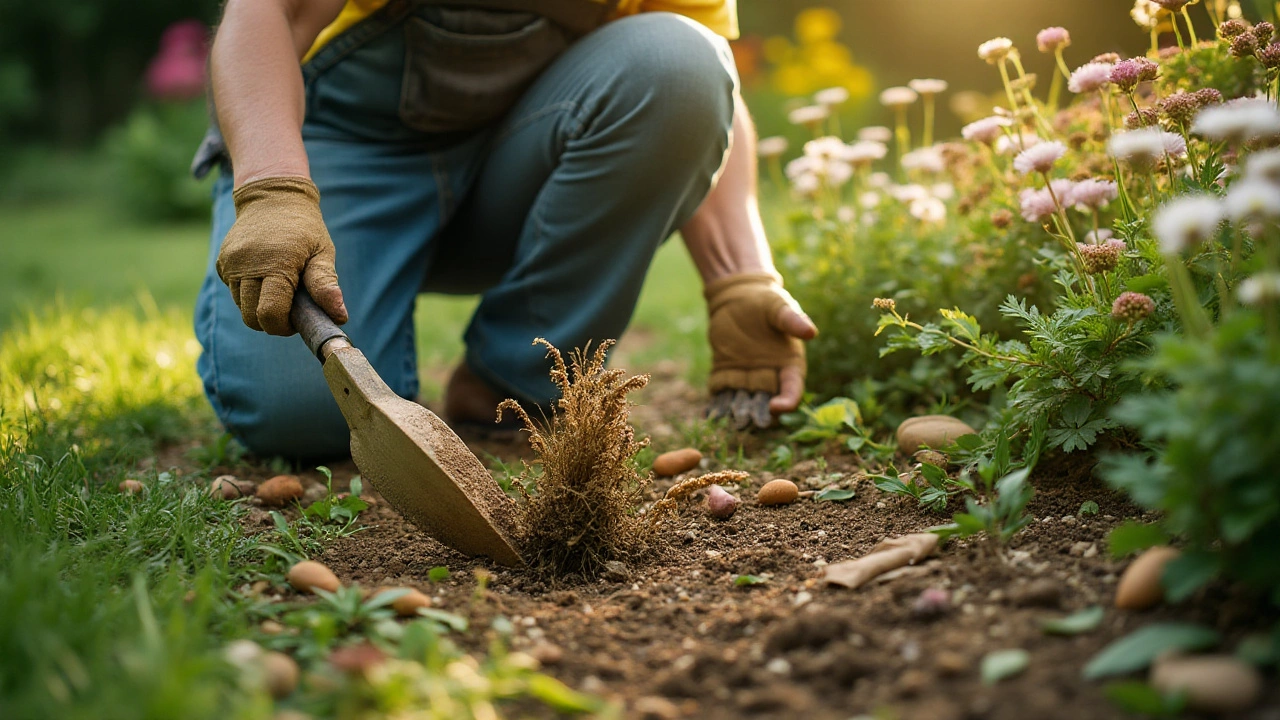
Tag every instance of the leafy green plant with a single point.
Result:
(930, 485)
(340, 510)
(837, 421)
(1138, 649)
(152, 154)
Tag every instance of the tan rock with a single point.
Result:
(280, 673)
(1139, 586)
(676, 462)
(547, 653)
(652, 707)
(778, 492)
(130, 487)
(407, 605)
(227, 487)
(280, 490)
(1212, 683)
(934, 431)
(309, 575)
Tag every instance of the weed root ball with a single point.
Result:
(280, 490)
(720, 504)
(676, 462)
(778, 492)
(130, 487)
(309, 575)
(1139, 586)
(407, 605)
(280, 673)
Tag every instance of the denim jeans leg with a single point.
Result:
(609, 152)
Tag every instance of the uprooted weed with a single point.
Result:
(586, 511)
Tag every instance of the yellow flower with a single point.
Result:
(817, 24)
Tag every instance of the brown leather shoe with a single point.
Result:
(470, 403)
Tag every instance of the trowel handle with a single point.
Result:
(312, 323)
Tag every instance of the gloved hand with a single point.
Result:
(277, 239)
(757, 358)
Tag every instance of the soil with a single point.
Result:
(677, 638)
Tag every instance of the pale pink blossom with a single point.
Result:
(1052, 39)
(1039, 158)
(1092, 194)
(1089, 77)
(987, 130)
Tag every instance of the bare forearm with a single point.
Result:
(726, 236)
(257, 83)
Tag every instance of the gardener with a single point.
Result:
(535, 151)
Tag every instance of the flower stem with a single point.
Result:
(1184, 298)
(1190, 27)
(1008, 88)
(927, 141)
(902, 132)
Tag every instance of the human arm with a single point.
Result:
(756, 327)
(279, 238)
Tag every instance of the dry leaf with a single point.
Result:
(885, 556)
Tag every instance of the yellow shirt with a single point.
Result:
(720, 16)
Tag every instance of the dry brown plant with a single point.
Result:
(587, 507)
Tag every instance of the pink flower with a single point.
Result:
(177, 72)
(1037, 206)
(1089, 77)
(1039, 158)
(1131, 307)
(987, 130)
(1052, 39)
(1092, 194)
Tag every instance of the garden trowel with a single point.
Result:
(407, 453)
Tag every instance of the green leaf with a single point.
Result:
(357, 486)
(1001, 664)
(1076, 623)
(1139, 698)
(1147, 283)
(809, 434)
(833, 494)
(1189, 572)
(749, 580)
(385, 598)
(438, 574)
(1136, 650)
(561, 697)
(456, 623)
(1132, 537)
(1088, 507)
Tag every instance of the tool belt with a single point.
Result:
(467, 62)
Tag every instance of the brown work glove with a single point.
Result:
(277, 239)
(757, 357)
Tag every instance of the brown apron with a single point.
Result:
(467, 62)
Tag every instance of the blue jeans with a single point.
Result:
(553, 215)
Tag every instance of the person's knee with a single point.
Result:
(294, 420)
(680, 73)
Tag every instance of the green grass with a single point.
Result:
(118, 606)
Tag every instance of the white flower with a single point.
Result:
(804, 165)
(1264, 164)
(1252, 199)
(898, 97)
(943, 191)
(1238, 121)
(1186, 221)
(880, 180)
(831, 96)
(995, 50)
(1146, 14)
(827, 148)
(869, 200)
(808, 115)
(1261, 288)
(806, 184)
(1146, 145)
(838, 173)
(928, 209)
(1089, 77)
(846, 214)
(771, 147)
(875, 133)
(928, 159)
(987, 130)
(864, 152)
(909, 193)
(1092, 194)
(1014, 144)
(928, 86)
(1039, 158)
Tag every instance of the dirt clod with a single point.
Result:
(280, 490)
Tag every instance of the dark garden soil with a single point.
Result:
(677, 638)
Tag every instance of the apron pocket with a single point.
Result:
(465, 68)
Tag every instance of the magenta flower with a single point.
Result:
(177, 72)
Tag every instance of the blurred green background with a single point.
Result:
(97, 207)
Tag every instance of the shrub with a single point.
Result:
(151, 153)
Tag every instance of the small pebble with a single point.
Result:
(280, 490)
(778, 666)
(951, 664)
(931, 603)
(130, 487)
(652, 707)
(913, 682)
(778, 492)
(1043, 593)
(547, 653)
(1140, 586)
(1214, 684)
